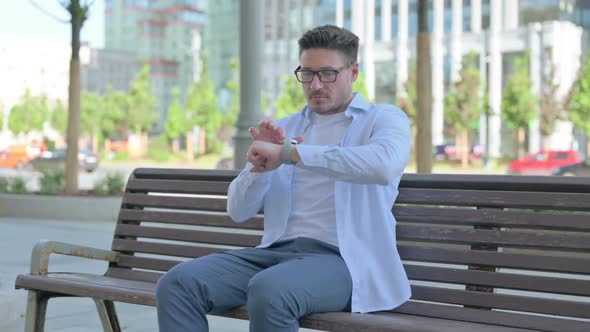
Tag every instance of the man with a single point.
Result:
(329, 235)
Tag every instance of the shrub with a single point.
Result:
(12, 186)
(158, 149)
(111, 184)
(51, 181)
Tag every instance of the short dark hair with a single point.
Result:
(333, 38)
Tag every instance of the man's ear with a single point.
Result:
(354, 69)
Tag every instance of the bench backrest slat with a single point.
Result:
(474, 242)
(492, 217)
(503, 301)
(187, 218)
(526, 261)
(510, 238)
(166, 249)
(501, 199)
(235, 239)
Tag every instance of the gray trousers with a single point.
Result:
(279, 285)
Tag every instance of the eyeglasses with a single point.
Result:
(325, 76)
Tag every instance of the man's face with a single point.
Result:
(328, 98)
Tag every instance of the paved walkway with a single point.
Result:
(17, 238)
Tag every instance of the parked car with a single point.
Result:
(579, 169)
(56, 159)
(15, 156)
(544, 162)
(448, 151)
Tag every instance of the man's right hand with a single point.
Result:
(268, 132)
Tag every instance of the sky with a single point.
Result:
(22, 18)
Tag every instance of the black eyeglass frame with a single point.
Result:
(317, 73)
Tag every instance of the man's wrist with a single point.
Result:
(287, 152)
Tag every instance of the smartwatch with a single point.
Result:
(286, 151)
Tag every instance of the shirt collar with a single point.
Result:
(357, 105)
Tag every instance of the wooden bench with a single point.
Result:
(484, 253)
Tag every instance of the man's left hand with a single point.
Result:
(264, 156)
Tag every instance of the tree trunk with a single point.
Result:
(465, 149)
(190, 149)
(95, 141)
(424, 94)
(73, 130)
(521, 136)
(175, 145)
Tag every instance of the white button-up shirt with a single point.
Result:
(367, 167)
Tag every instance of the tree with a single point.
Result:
(29, 114)
(79, 14)
(202, 110)
(406, 99)
(519, 104)
(291, 99)
(579, 111)
(142, 103)
(176, 122)
(360, 86)
(114, 112)
(463, 106)
(551, 109)
(59, 118)
(424, 93)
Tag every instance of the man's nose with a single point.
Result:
(315, 83)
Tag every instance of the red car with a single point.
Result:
(544, 162)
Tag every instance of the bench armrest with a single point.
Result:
(44, 248)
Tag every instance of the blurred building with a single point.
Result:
(497, 30)
(166, 34)
(104, 68)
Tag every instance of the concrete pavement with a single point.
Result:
(17, 238)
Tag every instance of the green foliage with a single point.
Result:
(142, 113)
(29, 114)
(360, 86)
(51, 181)
(551, 108)
(202, 108)
(291, 99)
(158, 149)
(463, 104)
(111, 184)
(406, 99)
(230, 117)
(175, 124)
(579, 111)
(13, 185)
(59, 118)
(116, 104)
(519, 104)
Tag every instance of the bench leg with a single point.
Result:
(36, 309)
(108, 315)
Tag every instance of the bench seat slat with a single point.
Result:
(536, 322)
(499, 280)
(244, 240)
(172, 202)
(502, 301)
(501, 199)
(513, 238)
(138, 292)
(178, 186)
(176, 250)
(500, 259)
(185, 218)
(492, 217)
